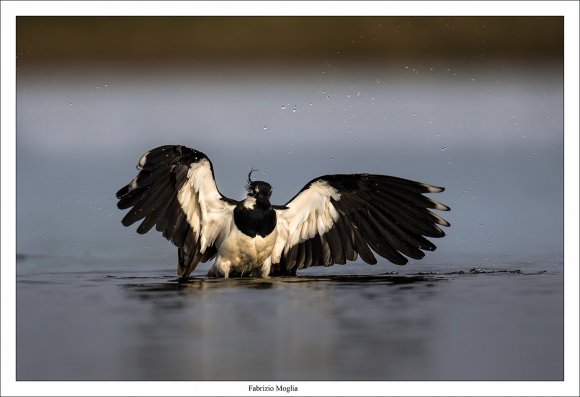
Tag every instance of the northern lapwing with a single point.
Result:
(333, 219)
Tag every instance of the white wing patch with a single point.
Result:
(202, 204)
(310, 213)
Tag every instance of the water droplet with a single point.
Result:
(265, 128)
(444, 148)
(294, 110)
(283, 107)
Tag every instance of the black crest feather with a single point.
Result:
(250, 177)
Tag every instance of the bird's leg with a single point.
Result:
(265, 270)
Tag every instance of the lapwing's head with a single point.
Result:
(258, 189)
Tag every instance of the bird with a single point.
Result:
(333, 219)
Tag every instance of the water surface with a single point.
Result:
(479, 324)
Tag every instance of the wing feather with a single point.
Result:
(335, 244)
(318, 255)
(362, 248)
(175, 191)
(405, 242)
(417, 219)
(308, 251)
(412, 239)
(336, 218)
(346, 239)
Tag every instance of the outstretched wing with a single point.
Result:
(175, 191)
(335, 218)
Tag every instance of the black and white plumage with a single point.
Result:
(333, 219)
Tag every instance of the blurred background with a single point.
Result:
(474, 104)
(291, 40)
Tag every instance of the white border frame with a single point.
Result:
(568, 9)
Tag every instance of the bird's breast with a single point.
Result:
(254, 220)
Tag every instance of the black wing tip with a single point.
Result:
(141, 230)
(127, 222)
(122, 192)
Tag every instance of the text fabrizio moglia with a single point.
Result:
(287, 389)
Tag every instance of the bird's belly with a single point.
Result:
(245, 253)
